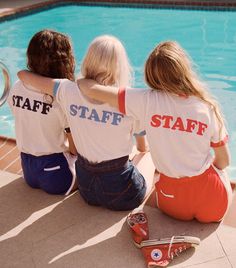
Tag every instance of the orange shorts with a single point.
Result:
(205, 197)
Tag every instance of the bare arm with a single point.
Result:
(72, 147)
(40, 83)
(95, 91)
(222, 157)
(141, 143)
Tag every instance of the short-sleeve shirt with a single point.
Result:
(180, 131)
(39, 126)
(100, 132)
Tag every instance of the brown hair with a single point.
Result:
(50, 54)
(169, 68)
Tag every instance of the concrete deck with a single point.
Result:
(40, 230)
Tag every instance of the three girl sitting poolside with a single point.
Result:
(183, 123)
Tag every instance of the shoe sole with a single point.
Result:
(194, 241)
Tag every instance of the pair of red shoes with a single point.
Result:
(157, 252)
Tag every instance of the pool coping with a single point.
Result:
(220, 5)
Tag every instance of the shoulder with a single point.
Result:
(65, 86)
(18, 84)
(65, 83)
(203, 106)
(18, 88)
(134, 93)
(136, 90)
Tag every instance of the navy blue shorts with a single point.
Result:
(114, 184)
(50, 173)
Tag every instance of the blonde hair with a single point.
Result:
(106, 62)
(169, 68)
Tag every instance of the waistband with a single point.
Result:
(192, 178)
(105, 166)
(42, 157)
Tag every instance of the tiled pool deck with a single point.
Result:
(40, 230)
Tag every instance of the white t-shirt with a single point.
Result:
(100, 132)
(180, 131)
(39, 126)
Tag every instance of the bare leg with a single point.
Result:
(144, 164)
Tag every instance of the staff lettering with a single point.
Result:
(187, 125)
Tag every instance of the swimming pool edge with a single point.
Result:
(194, 5)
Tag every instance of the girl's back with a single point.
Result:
(39, 125)
(179, 129)
(100, 131)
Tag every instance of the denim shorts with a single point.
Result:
(50, 173)
(115, 184)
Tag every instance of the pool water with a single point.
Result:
(208, 36)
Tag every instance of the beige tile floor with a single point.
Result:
(40, 230)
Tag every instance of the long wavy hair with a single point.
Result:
(169, 68)
(106, 62)
(50, 54)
